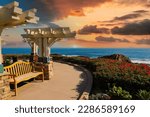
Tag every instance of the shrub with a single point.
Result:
(131, 77)
(7, 62)
(99, 96)
(119, 93)
(143, 95)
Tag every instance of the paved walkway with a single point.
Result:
(67, 83)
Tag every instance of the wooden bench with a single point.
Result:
(22, 71)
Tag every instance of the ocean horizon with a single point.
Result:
(137, 55)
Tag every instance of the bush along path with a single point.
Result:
(114, 78)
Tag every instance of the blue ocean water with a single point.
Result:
(137, 55)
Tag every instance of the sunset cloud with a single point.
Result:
(12, 44)
(89, 29)
(112, 24)
(141, 11)
(128, 16)
(76, 13)
(132, 2)
(140, 28)
(110, 39)
(143, 41)
(50, 10)
(134, 15)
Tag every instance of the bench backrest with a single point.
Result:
(19, 68)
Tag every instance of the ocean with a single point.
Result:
(137, 55)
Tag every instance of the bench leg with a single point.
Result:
(43, 77)
(15, 89)
(34, 78)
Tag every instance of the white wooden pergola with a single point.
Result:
(11, 15)
(44, 38)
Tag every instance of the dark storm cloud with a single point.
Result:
(143, 41)
(110, 39)
(140, 28)
(89, 29)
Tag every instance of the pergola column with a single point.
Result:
(35, 49)
(46, 53)
(44, 50)
(34, 52)
(1, 58)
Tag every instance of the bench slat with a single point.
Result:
(26, 77)
(14, 71)
(21, 65)
(23, 68)
(26, 66)
(17, 69)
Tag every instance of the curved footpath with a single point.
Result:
(70, 82)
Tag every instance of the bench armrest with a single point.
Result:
(13, 76)
(39, 67)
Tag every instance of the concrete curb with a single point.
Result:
(87, 90)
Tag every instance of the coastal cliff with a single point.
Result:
(118, 57)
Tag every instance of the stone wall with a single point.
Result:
(48, 70)
(5, 92)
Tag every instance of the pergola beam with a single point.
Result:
(11, 5)
(12, 15)
(9, 15)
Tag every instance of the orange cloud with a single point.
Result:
(89, 29)
(77, 13)
(133, 2)
(140, 28)
(111, 39)
(58, 9)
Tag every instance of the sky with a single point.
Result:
(98, 23)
